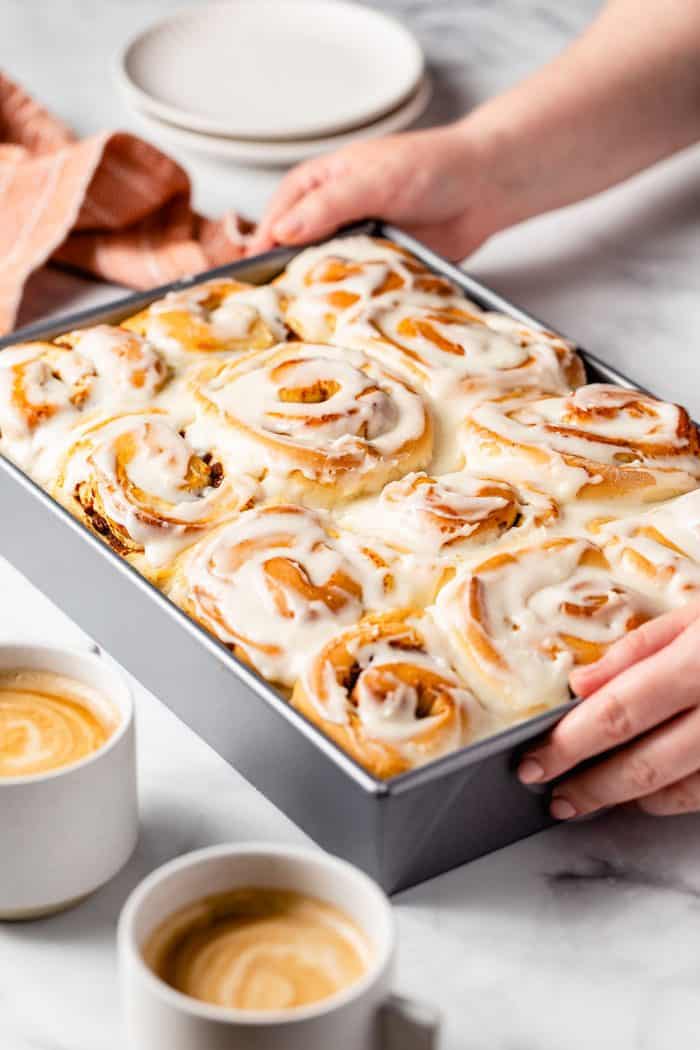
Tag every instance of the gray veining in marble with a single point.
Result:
(583, 937)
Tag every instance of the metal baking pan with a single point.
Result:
(401, 831)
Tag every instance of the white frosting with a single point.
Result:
(271, 407)
(365, 267)
(139, 466)
(526, 609)
(658, 552)
(458, 351)
(609, 412)
(528, 441)
(430, 515)
(445, 517)
(679, 520)
(387, 701)
(325, 423)
(277, 583)
(47, 390)
(222, 325)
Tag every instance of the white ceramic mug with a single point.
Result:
(66, 832)
(359, 1018)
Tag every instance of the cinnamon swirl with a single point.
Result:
(386, 692)
(48, 388)
(277, 581)
(456, 350)
(520, 620)
(449, 514)
(657, 552)
(217, 315)
(323, 424)
(135, 481)
(325, 285)
(601, 442)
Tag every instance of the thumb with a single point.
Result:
(635, 646)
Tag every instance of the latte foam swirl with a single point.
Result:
(258, 949)
(48, 721)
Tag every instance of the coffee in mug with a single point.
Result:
(49, 721)
(259, 949)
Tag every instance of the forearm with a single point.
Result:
(625, 95)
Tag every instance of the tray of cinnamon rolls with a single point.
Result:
(355, 519)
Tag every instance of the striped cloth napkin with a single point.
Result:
(112, 205)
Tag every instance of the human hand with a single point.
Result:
(431, 183)
(642, 697)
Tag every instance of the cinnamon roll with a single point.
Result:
(323, 424)
(217, 315)
(140, 485)
(519, 621)
(277, 581)
(449, 514)
(386, 692)
(601, 442)
(456, 350)
(48, 388)
(325, 285)
(657, 552)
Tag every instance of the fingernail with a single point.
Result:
(530, 771)
(288, 227)
(562, 809)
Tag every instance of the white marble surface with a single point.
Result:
(586, 936)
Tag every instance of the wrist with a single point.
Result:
(499, 168)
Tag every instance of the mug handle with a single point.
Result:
(409, 1025)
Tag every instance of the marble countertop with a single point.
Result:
(585, 936)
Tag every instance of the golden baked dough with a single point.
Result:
(325, 286)
(519, 621)
(447, 516)
(137, 482)
(217, 315)
(457, 351)
(401, 509)
(599, 443)
(323, 424)
(657, 552)
(49, 388)
(385, 691)
(277, 581)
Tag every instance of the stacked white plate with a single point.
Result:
(274, 81)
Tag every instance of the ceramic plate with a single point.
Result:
(272, 154)
(272, 69)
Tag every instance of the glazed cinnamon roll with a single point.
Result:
(449, 514)
(137, 482)
(601, 442)
(458, 351)
(326, 285)
(657, 552)
(48, 388)
(323, 424)
(277, 581)
(519, 621)
(385, 691)
(217, 315)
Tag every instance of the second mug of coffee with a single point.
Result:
(68, 801)
(258, 947)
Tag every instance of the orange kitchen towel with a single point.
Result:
(111, 204)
